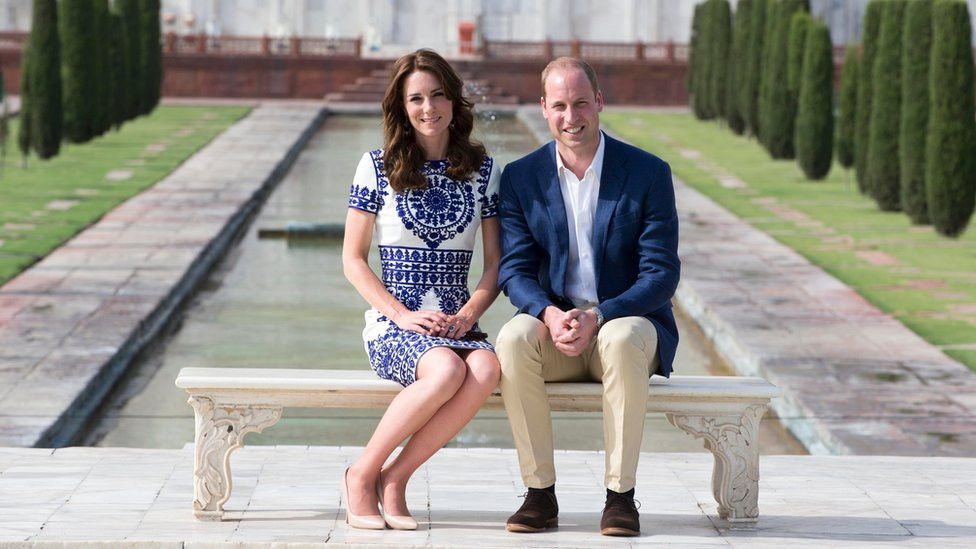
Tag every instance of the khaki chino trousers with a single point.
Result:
(622, 357)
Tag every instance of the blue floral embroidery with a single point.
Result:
(489, 204)
(439, 212)
(367, 198)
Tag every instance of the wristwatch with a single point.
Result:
(599, 317)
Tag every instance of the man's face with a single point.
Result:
(572, 110)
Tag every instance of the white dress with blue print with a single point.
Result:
(425, 239)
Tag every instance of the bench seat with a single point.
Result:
(228, 403)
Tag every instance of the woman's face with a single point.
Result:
(427, 106)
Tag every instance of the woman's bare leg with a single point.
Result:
(440, 374)
(482, 377)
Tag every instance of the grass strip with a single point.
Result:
(47, 202)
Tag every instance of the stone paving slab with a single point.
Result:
(289, 496)
(70, 324)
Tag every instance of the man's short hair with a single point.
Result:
(569, 63)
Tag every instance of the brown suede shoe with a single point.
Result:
(620, 517)
(538, 512)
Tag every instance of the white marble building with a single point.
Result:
(390, 27)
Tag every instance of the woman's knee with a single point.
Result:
(484, 367)
(443, 369)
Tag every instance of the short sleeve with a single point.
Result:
(489, 199)
(363, 194)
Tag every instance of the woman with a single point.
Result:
(425, 194)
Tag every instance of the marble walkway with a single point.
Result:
(289, 496)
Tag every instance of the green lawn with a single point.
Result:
(51, 201)
(925, 280)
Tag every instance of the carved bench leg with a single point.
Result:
(219, 431)
(733, 441)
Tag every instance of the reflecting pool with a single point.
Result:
(284, 303)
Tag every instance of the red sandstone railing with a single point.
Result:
(595, 51)
(201, 44)
(189, 44)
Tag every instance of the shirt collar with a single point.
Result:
(596, 165)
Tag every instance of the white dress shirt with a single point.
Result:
(580, 198)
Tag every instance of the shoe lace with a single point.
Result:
(631, 503)
(536, 496)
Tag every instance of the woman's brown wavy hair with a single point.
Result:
(403, 158)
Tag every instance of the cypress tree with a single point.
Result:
(815, 110)
(45, 80)
(118, 69)
(706, 63)
(950, 146)
(799, 24)
(883, 180)
(778, 117)
(23, 131)
(848, 108)
(738, 66)
(101, 108)
(152, 55)
(916, 48)
(696, 62)
(872, 24)
(77, 31)
(134, 75)
(720, 41)
(754, 53)
(765, 67)
(4, 121)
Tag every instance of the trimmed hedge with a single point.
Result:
(847, 108)
(76, 20)
(151, 52)
(102, 108)
(797, 46)
(750, 94)
(134, 74)
(872, 24)
(45, 114)
(118, 54)
(696, 64)
(738, 66)
(23, 130)
(916, 49)
(950, 146)
(883, 179)
(815, 110)
(719, 44)
(778, 113)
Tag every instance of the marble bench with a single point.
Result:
(231, 402)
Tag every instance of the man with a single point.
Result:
(589, 238)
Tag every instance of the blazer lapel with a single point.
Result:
(549, 185)
(612, 180)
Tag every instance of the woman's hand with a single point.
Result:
(457, 326)
(425, 322)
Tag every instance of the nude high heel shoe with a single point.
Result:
(393, 521)
(367, 522)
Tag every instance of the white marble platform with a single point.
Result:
(289, 497)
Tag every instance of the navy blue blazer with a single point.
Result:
(635, 238)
